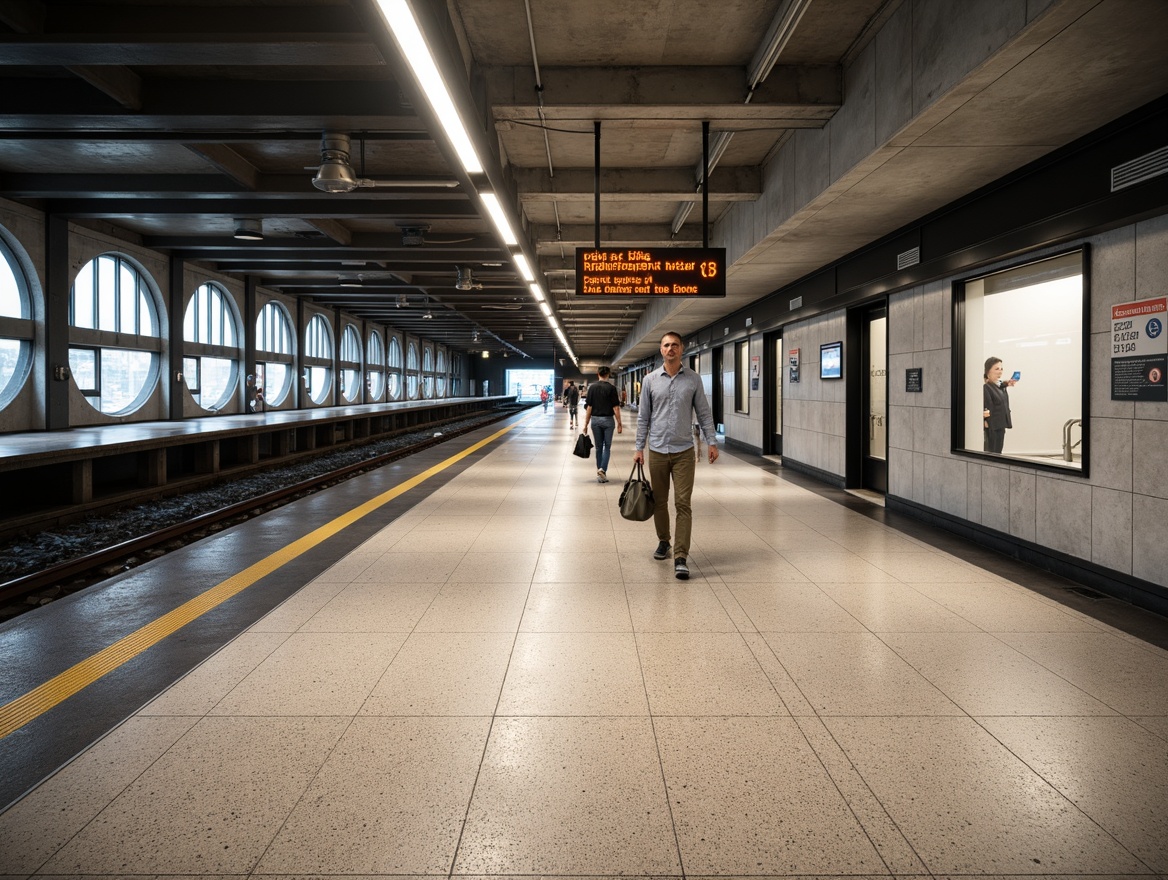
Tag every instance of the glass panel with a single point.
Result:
(191, 374)
(83, 297)
(375, 351)
(395, 353)
(877, 389)
(1022, 371)
(318, 383)
(10, 357)
(217, 381)
(107, 285)
(412, 357)
(781, 360)
(11, 302)
(441, 384)
(412, 386)
(375, 384)
(394, 386)
(428, 387)
(273, 331)
(83, 365)
(351, 384)
(124, 375)
(275, 382)
(127, 299)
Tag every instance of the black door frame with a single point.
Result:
(772, 372)
(863, 471)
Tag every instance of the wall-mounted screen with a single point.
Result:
(831, 360)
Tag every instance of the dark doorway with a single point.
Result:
(716, 390)
(874, 397)
(773, 359)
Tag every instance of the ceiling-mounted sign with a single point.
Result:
(650, 271)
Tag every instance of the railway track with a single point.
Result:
(75, 574)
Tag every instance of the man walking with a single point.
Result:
(602, 410)
(668, 398)
(571, 401)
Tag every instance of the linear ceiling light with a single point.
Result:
(499, 218)
(545, 308)
(536, 292)
(524, 267)
(399, 18)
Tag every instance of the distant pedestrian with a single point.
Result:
(543, 398)
(602, 409)
(572, 402)
(669, 396)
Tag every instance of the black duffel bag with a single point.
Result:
(583, 446)
(636, 499)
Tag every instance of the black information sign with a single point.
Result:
(650, 271)
(913, 379)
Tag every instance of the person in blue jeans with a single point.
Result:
(602, 410)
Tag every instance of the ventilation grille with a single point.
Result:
(1138, 170)
(908, 258)
(797, 303)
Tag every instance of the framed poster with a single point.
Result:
(831, 364)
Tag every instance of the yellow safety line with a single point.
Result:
(26, 708)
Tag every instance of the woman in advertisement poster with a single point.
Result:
(995, 405)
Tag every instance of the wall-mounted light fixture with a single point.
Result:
(249, 229)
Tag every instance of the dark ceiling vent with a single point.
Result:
(1138, 170)
(414, 236)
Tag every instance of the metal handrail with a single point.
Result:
(1068, 446)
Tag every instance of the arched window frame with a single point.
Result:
(275, 343)
(112, 322)
(350, 363)
(17, 327)
(413, 385)
(375, 365)
(318, 358)
(395, 385)
(210, 335)
(427, 370)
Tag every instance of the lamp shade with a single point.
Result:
(248, 229)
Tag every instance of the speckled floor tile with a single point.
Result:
(468, 606)
(1157, 724)
(443, 674)
(374, 608)
(985, 676)
(291, 614)
(969, 806)
(1110, 768)
(574, 674)
(406, 567)
(211, 805)
(314, 674)
(201, 689)
(557, 566)
(569, 796)
(895, 608)
(1004, 608)
(793, 607)
(705, 674)
(689, 606)
(835, 567)
(496, 567)
(48, 817)
(1130, 679)
(600, 607)
(856, 674)
(750, 797)
(390, 799)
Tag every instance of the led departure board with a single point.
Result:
(650, 271)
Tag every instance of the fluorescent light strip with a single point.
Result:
(499, 218)
(399, 18)
(536, 292)
(524, 267)
(546, 309)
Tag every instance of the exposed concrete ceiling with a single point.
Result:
(167, 120)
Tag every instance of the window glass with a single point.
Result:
(318, 342)
(412, 370)
(274, 330)
(274, 379)
(350, 364)
(209, 326)
(742, 377)
(15, 350)
(375, 362)
(112, 293)
(1020, 361)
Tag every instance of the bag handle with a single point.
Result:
(638, 472)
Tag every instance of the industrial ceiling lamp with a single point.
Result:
(335, 174)
(249, 229)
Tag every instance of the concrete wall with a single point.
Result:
(814, 419)
(1114, 517)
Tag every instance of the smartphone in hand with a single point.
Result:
(1017, 375)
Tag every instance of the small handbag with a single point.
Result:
(636, 499)
(583, 446)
